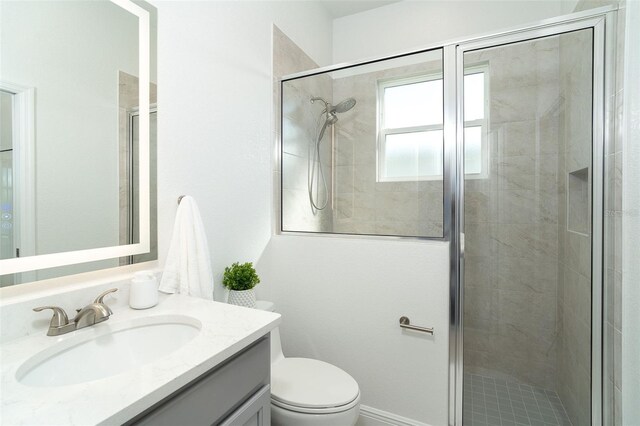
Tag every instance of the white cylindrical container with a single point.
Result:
(144, 290)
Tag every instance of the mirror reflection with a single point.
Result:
(68, 132)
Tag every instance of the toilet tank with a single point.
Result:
(276, 345)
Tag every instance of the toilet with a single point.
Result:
(309, 392)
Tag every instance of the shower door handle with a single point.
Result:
(406, 323)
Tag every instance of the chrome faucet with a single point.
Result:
(91, 314)
(94, 313)
(59, 322)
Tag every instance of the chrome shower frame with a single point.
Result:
(602, 21)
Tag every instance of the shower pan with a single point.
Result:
(511, 141)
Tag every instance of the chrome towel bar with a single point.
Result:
(406, 323)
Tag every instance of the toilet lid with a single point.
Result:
(310, 383)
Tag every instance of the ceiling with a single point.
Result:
(339, 8)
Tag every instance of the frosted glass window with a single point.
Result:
(411, 127)
(473, 150)
(412, 155)
(474, 96)
(410, 134)
(414, 104)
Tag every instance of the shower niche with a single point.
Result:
(578, 201)
(362, 149)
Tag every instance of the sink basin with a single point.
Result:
(107, 349)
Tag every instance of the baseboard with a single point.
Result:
(370, 416)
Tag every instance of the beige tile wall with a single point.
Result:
(527, 275)
(511, 220)
(360, 204)
(574, 276)
(364, 205)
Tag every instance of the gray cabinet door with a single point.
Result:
(209, 399)
(255, 412)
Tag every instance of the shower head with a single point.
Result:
(330, 112)
(343, 106)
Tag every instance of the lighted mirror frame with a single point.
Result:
(43, 261)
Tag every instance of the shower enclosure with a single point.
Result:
(496, 145)
(527, 287)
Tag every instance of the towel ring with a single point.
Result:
(180, 198)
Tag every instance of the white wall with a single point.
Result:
(408, 25)
(71, 55)
(215, 141)
(341, 299)
(215, 125)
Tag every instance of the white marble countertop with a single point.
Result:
(226, 329)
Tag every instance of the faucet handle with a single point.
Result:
(59, 318)
(100, 298)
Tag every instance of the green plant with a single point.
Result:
(240, 277)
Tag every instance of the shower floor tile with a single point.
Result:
(496, 402)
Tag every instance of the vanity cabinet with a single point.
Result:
(255, 412)
(235, 393)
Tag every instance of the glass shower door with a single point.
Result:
(527, 268)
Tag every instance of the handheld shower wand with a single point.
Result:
(315, 165)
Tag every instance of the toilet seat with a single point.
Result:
(326, 410)
(311, 386)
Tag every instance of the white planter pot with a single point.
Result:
(242, 298)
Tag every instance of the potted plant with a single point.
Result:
(240, 279)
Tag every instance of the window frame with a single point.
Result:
(383, 132)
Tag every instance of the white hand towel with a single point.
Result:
(188, 266)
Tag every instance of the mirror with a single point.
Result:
(77, 163)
